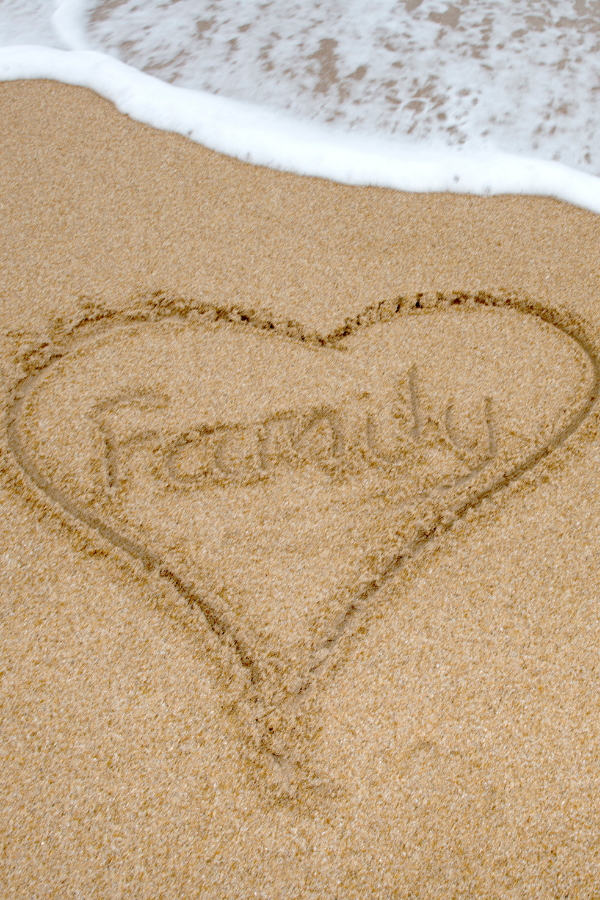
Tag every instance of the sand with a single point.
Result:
(299, 482)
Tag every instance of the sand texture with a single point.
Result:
(299, 547)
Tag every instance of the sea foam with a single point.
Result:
(292, 136)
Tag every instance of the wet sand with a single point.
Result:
(300, 527)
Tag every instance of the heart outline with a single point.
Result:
(37, 362)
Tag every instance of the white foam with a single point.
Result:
(261, 136)
(519, 76)
(69, 22)
(268, 137)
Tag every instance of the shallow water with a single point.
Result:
(27, 22)
(520, 76)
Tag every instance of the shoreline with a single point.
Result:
(257, 135)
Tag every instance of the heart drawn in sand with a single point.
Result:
(277, 479)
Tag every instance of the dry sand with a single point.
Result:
(300, 495)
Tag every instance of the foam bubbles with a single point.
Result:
(515, 75)
(418, 95)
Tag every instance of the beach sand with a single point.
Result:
(299, 539)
